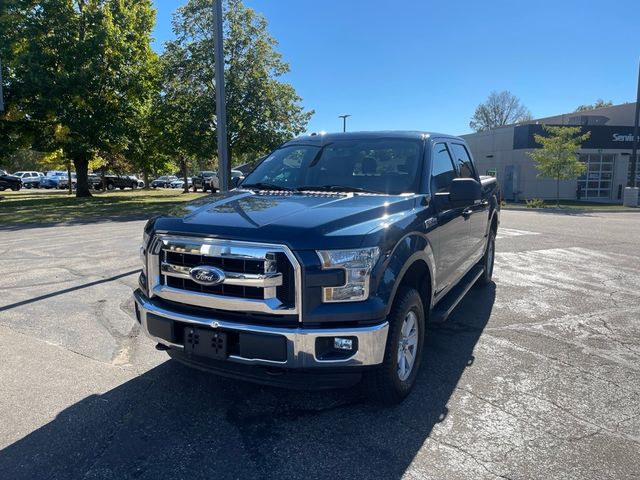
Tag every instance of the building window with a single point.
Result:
(597, 182)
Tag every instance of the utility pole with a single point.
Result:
(224, 169)
(633, 167)
(344, 121)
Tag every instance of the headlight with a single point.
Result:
(143, 251)
(357, 265)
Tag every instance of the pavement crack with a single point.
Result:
(599, 428)
(480, 463)
(520, 418)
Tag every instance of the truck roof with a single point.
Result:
(322, 138)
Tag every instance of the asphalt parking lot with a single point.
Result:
(536, 376)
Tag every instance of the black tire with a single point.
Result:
(487, 260)
(2, 189)
(110, 186)
(134, 185)
(15, 187)
(383, 384)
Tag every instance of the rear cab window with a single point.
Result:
(442, 170)
(462, 160)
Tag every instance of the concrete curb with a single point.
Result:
(573, 210)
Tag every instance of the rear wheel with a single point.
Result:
(392, 381)
(487, 260)
(110, 186)
(134, 185)
(15, 187)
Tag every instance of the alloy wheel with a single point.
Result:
(407, 345)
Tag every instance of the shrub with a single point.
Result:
(535, 203)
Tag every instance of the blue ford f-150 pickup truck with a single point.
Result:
(324, 266)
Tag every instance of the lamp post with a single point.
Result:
(224, 170)
(344, 121)
(634, 151)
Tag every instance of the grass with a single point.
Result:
(54, 206)
(572, 205)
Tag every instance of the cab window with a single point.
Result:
(442, 169)
(462, 161)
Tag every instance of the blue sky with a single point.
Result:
(424, 65)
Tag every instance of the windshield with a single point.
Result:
(388, 166)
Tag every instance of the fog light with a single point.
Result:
(342, 343)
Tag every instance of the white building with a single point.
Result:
(606, 152)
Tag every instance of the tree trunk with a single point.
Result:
(70, 186)
(145, 178)
(184, 176)
(558, 192)
(103, 178)
(82, 169)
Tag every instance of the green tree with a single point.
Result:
(83, 66)
(600, 103)
(558, 157)
(262, 110)
(502, 108)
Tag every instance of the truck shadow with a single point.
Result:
(173, 422)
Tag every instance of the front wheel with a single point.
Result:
(110, 186)
(391, 382)
(15, 188)
(487, 260)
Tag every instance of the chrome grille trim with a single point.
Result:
(230, 278)
(215, 247)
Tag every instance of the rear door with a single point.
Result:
(476, 214)
(451, 236)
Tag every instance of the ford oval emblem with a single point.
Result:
(207, 275)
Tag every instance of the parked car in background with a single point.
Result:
(202, 180)
(114, 181)
(179, 183)
(9, 181)
(64, 181)
(29, 179)
(136, 179)
(163, 181)
(52, 179)
(236, 177)
(94, 180)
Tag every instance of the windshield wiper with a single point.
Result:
(333, 188)
(267, 186)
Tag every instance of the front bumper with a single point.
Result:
(302, 343)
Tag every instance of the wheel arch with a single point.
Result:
(411, 263)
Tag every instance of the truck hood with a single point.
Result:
(300, 220)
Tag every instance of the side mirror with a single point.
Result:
(464, 192)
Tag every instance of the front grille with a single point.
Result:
(257, 278)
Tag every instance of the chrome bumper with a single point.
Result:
(301, 342)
